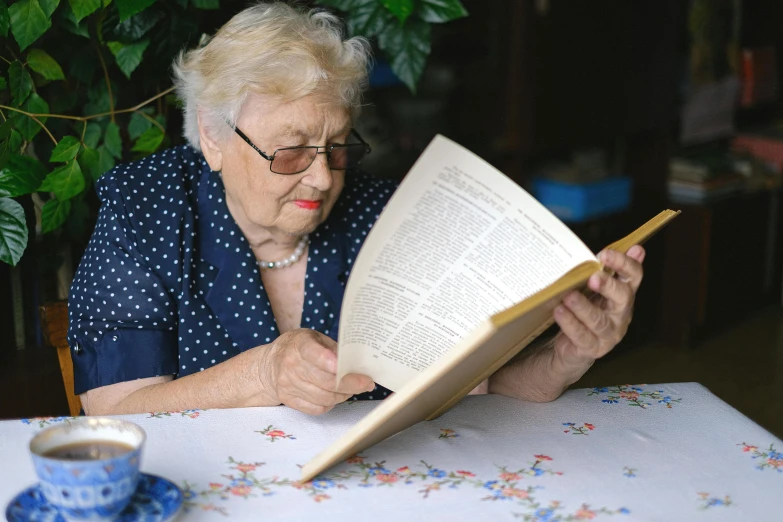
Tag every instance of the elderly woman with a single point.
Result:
(216, 271)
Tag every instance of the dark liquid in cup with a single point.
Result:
(89, 450)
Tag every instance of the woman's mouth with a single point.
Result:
(308, 204)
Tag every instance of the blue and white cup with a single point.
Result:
(88, 490)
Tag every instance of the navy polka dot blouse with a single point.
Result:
(169, 286)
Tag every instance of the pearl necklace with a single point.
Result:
(290, 260)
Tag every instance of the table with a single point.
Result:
(664, 452)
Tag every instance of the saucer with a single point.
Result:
(155, 500)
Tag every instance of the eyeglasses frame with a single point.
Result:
(327, 150)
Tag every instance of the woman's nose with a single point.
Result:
(319, 175)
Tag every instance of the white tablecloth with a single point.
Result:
(666, 452)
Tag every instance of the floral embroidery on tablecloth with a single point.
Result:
(272, 434)
(572, 428)
(46, 421)
(549, 514)
(191, 414)
(245, 483)
(706, 501)
(629, 472)
(446, 433)
(768, 458)
(633, 396)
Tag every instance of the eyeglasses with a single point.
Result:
(295, 160)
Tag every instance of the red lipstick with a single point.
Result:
(309, 204)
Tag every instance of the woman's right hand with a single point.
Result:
(299, 370)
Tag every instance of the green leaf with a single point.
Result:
(13, 231)
(83, 8)
(128, 8)
(206, 4)
(22, 175)
(5, 23)
(54, 214)
(21, 83)
(90, 159)
(105, 159)
(15, 141)
(135, 27)
(138, 125)
(92, 135)
(26, 126)
(28, 22)
(43, 64)
(66, 150)
(65, 181)
(128, 56)
(112, 140)
(48, 6)
(369, 18)
(149, 141)
(402, 9)
(407, 47)
(5, 129)
(71, 24)
(440, 11)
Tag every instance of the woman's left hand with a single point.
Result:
(591, 328)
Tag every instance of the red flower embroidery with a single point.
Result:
(584, 514)
(215, 486)
(389, 478)
(542, 457)
(356, 459)
(589, 426)
(241, 491)
(246, 468)
(320, 497)
(276, 433)
(461, 472)
(508, 476)
(515, 493)
(404, 469)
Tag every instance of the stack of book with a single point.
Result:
(703, 178)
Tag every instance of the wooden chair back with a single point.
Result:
(54, 323)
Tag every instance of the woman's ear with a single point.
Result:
(209, 147)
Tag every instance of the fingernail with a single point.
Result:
(371, 388)
(606, 256)
(559, 310)
(595, 282)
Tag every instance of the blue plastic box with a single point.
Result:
(573, 202)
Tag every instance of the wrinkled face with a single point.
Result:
(290, 204)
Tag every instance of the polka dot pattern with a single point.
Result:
(169, 285)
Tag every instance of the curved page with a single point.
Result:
(457, 242)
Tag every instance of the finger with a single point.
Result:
(625, 267)
(350, 384)
(319, 396)
(637, 253)
(590, 315)
(355, 383)
(619, 296)
(305, 406)
(318, 355)
(579, 334)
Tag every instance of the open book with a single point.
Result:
(460, 272)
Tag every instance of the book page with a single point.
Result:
(457, 242)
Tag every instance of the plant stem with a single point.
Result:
(6, 60)
(152, 120)
(92, 116)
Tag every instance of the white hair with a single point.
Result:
(269, 49)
